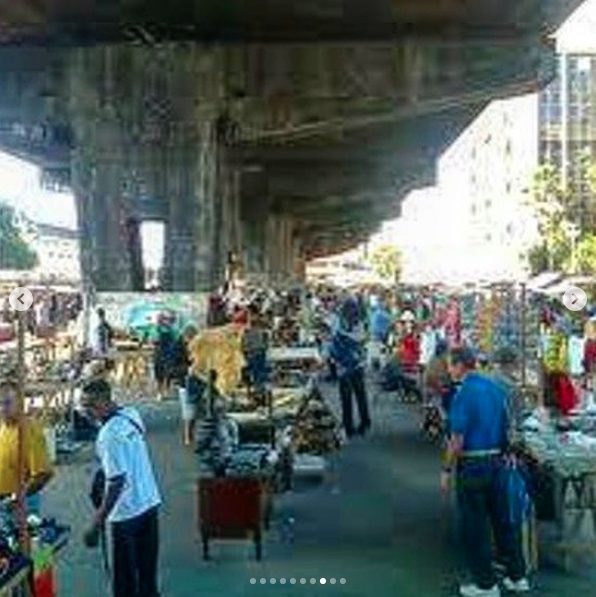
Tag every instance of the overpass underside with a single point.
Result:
(265, 143)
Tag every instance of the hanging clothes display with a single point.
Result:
(575, 355)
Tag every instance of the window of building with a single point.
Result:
(584, 64)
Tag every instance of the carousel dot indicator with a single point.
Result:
(293, 581)
(313, 581)
(323, 581)
(263, 581)
(332, 581)
(253, 581)
(303, 581)
(272, 581)
(282, 581)
(343, 581)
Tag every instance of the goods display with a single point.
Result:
(560, 455)
(219, 349)
(48, 538)
(316, 430)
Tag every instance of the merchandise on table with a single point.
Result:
(219, 349)
(317, 430)
(48, 538)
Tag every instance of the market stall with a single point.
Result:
(560, 456)
(247, 446)
(28, 545)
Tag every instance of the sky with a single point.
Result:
(21, 188)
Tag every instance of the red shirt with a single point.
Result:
(409, 351)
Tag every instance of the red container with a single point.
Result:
(44, 583)
(230, 508)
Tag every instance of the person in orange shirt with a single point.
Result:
(37, 467)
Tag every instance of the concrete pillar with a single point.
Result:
(99, 174)
(180, 243)
(151, 115)
(280, 248)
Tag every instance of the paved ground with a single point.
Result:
(387, 533)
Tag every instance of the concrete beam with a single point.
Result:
(151, 21)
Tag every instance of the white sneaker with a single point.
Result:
(476, 591)
(519, 586)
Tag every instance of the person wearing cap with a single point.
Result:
(129, 499)
(479, 427)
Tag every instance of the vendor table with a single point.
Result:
(277, 355)
(572, 470)
(232, 508)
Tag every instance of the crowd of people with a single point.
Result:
(51, 311)
(367, 340)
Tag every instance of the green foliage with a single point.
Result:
(565, 218)
(585, 255)
(15, 253)
(386, 261)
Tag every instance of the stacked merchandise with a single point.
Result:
(12, 563)
(316, 430)
(47, 538)
(484, 326)
(222, 455)
(507, 331)
(219, 349)
(469, 316)
(532, 340)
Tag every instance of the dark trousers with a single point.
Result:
(135, 546)
(483, 506)
(352, 385)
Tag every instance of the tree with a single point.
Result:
(584, 256)
(15, 252)
(565, 218)
(386, 261)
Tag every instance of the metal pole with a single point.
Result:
(564, 121)
(21, 508)
(524, 315)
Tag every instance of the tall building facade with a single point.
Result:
(567, 136)
(475, 224)
(485, 176)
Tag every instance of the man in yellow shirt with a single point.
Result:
(37, 467)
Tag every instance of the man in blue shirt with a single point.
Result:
(347, 352)
(380, 326)
(479, 433)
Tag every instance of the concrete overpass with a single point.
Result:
(272, 129)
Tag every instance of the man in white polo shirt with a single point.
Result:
(131, 498)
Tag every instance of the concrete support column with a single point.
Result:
(181, 244)
(149, 118)
(280, 252)
(108, 253)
